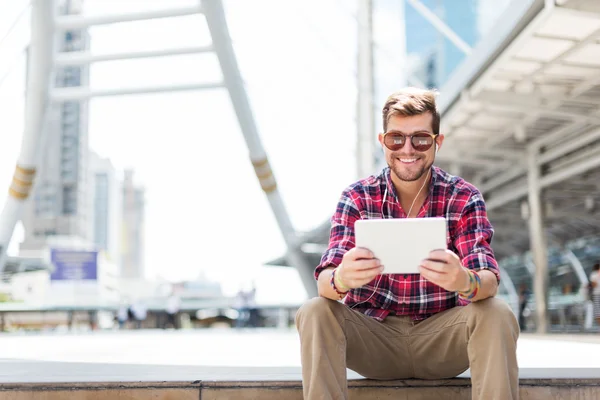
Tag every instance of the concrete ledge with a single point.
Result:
(192, 365)
(98, 391)
(44, 380)
(452, 389)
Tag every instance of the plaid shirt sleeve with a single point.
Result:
(341, 235)
(474, 236)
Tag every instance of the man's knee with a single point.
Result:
(317, 308)
(492, 306)
(493, 311)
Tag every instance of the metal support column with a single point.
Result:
(217, 24)
(537, 241)
(41, 51)
(365, 112)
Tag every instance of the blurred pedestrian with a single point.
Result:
(122, 316)
(595, 290)
(173, 306)
(253, 312)
(524, 296)
(93, 319)
(139, 314)
(241, 305)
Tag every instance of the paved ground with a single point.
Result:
(227, 354)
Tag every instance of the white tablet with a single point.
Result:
(401, 243)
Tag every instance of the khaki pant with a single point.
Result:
(482, 335)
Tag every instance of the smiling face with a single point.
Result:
(407, 163)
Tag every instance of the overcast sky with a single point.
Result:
(206, 212)
(205, 209)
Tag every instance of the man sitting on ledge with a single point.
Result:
(432, 325)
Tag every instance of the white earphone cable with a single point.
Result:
(382, 215)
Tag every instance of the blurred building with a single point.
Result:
(67, 272)
(409, 49)
(432, 57)
(106, 207)
(133, 240)
(198, 290)
(436, 56)
(80, 275)
(72, 222)
(59, 202)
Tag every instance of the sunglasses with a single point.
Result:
(421, 141)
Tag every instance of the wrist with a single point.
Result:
(338, 285)
(474, 286)
(338, 281)
(467, 285)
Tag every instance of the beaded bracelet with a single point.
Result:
(471, 285)
(332, 282)
(475, 285)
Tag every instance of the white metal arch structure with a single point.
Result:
(41, 49)
(44, 26)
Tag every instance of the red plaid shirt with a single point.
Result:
(469, 236)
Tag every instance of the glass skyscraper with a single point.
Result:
(434, 57)
(58, 206)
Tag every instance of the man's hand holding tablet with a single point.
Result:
(444, 268)
(359, 267)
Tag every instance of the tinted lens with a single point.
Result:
(394, 141)
(422, 141)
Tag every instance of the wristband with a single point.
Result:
(475, 285)
(471, 285)
(333, 280)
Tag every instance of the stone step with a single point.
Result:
(194, 365)
(363, 389)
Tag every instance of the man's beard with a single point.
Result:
(409, 176)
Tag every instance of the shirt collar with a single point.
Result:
(391, 189)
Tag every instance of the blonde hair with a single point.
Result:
(412, 101)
